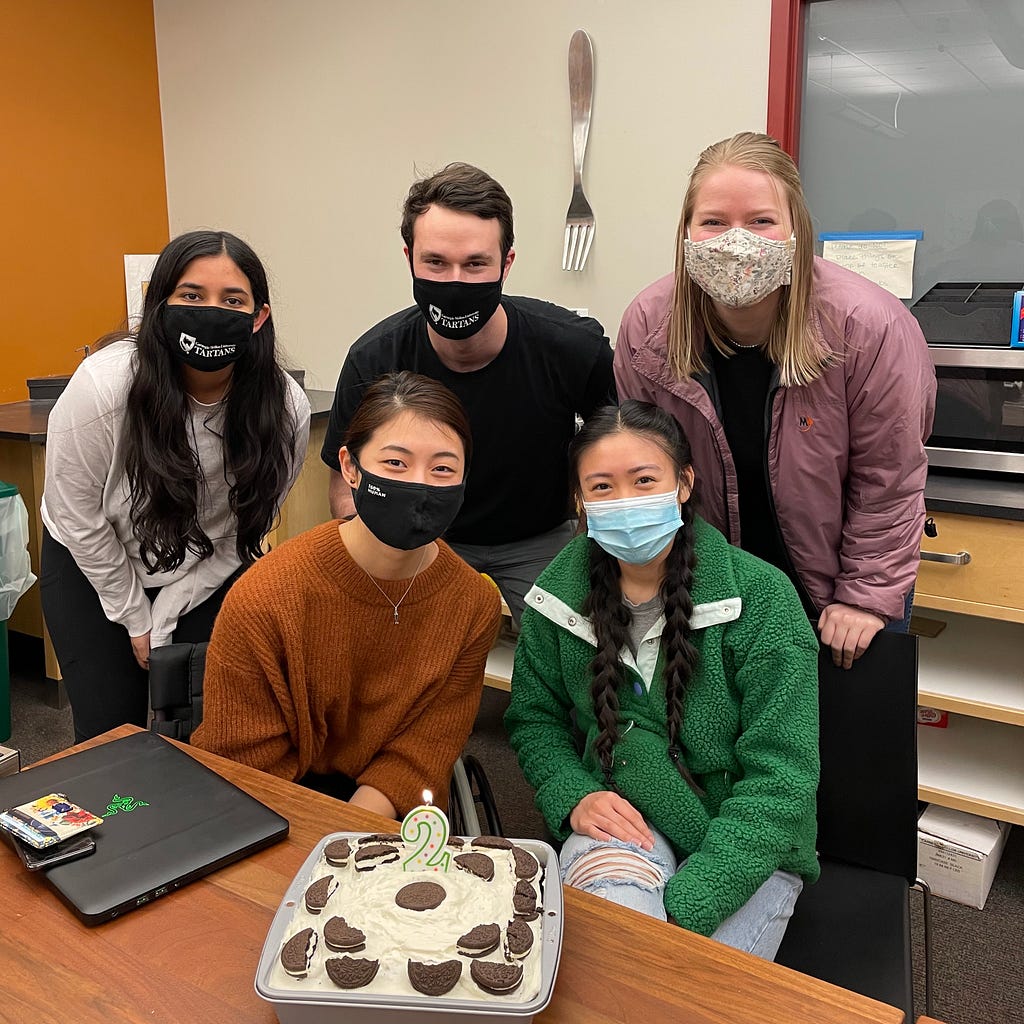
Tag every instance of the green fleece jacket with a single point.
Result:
(750, 725)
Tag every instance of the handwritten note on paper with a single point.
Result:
(887, 259)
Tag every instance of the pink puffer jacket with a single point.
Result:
(846, 457)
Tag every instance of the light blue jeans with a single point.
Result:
(636, 878)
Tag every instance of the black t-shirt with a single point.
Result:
(522, 409)
(743, 381)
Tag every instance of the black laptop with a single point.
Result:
(167, 820)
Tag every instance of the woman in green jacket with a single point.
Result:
(685, 671)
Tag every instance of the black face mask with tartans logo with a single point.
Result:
(456, 309)
(405, 515)
(206, 338)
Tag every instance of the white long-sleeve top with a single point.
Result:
(86, 500)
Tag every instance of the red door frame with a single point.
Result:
(785, 72)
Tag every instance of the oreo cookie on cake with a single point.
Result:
(297, 953)
(478, 864)
(420, 896)
(527, 865)
(491, 843)
(320, 892)
(434, 979)
(341, 937)
(524, 902)
(518, 939)
(348, 972)
(479, 941)
(390, 838)
(374, 854)
(337, 854)
(498, 979)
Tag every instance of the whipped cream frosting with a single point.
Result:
(366, 900)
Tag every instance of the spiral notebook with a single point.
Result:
(167, 821)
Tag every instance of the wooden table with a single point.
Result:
(192, 955)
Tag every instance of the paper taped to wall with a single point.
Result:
(138, 268)
(887, 258)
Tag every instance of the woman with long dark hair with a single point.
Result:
(167, 459)
(351, 659)
(664, 699)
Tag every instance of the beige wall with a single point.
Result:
(300, 125)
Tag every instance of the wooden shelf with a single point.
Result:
(974, 667)
(973, 765)
(948, 604)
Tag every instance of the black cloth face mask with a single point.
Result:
(405, 515)
(206, 338)
(456, 309)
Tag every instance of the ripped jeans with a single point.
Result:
(635, 878)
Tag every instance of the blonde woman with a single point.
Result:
(806, 391)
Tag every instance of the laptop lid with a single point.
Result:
(167, 820)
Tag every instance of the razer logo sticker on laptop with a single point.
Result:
(123, 803)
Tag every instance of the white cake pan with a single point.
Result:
(294, 1006)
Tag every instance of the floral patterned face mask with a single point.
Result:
(739, 268)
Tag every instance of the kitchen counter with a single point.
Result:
(998, 498)
(26, 421)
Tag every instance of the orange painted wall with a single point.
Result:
(81, 176)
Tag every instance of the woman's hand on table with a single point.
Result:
(140, 648)
(848, 631)
(606, 815)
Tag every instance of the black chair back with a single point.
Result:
(176, 689)
(867, 797)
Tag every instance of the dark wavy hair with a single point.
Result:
(466, 189)
(608, 612)
(165, 479)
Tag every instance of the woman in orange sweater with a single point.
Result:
(351, 658)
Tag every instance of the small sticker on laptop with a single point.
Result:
(123, 803)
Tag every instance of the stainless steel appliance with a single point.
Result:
(979, 409)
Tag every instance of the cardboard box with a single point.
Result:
(10, 761)
(958, 853)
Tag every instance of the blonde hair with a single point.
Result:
(792, 345)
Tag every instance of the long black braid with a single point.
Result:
(680, 654)
(609, 614)
(611, 619)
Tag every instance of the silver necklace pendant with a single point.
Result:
(393, 604)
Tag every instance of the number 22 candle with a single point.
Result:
(426, 828)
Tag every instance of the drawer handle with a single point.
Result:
(960, 558)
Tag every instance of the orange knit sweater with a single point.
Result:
(307, 670)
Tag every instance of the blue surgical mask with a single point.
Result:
(634, 530)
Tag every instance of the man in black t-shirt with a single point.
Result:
(524, 369)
